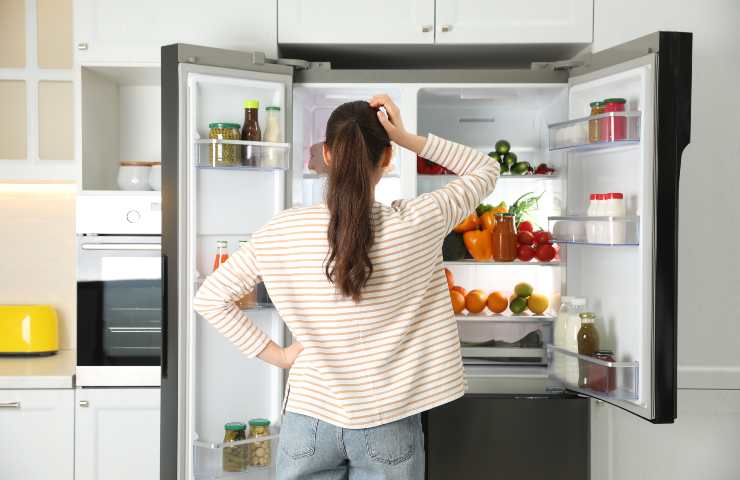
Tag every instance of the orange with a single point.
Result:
(458, 301)
(458, 288)
(475, 301)
(450, 279)
(497, 302)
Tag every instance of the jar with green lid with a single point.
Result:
(221, 153)
(260, 453)
(236, 457)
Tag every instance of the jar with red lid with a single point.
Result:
(601, 378)
(613, 128)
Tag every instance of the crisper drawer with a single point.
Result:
(501, 339)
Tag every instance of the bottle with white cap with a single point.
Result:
(614, 207)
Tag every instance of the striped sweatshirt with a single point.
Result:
(394, 353)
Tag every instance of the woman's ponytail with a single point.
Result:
(356, 141)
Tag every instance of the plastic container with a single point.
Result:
(613, 128)
(236, 457)
(599, 377)
(223, 154)
(260, 453)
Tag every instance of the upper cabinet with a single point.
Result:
(343, 22)
(112, 31)
(506, 21)
(418, 22)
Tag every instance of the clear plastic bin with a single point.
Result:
(617, 129)
(595, 230)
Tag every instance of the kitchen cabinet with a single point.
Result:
(434, 21)
(339, 21)
(36, 434)
(116, 433)
(506, 22)
(487, 436)
(110, 31)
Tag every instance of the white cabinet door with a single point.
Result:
(112, 31)
(343, 22)
(36, 434)
(117, 434)
(506, 21)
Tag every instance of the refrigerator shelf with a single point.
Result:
(315, 176)
(582, 373)
(515, 263)
(507, 177)
(507, 319)
(490, 355)
(606, 130)
(208, 458)
(209, 153)
(605, 231)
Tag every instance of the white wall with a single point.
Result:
(703, 442)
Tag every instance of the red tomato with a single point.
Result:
(525, 226)
(525, 253)
(545, 252)
(542, 237)
(524, 237)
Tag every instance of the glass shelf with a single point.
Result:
(227, 154)
(586, 230)
(506, 319)
(503, 355)
(515, 263)
(612, 380)
(314, 175)
(606, 130)
(208, 458)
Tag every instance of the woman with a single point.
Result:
(361, 287)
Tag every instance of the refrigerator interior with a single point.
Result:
(225, 386)
(313, 104)
(479, 116)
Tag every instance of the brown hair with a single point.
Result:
(356, 140)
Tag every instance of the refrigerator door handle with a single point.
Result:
(165, 319)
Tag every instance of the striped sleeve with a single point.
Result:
(216, 301)
(478, 173)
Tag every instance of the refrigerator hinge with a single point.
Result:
(564, 65)
(299, 64)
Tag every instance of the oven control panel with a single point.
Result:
(119, 214)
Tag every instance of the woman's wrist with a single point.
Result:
(412, 142)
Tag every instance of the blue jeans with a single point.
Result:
(311, 449)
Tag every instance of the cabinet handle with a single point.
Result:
(10, 405)
(84, 403)
(82, 46)
(426, 28)
(445, 28)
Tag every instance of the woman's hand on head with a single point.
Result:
(391, 121)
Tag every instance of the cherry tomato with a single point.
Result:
(525, 253)
(524, 237)
(545, 252)
(525, 226)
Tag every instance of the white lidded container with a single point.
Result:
(614, 207)
(595, 209)
(134, 176)
(565, 334)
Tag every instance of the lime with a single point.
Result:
(520, 168)
(518, 305)
(523, 289)
(510, 158)
(502, 147)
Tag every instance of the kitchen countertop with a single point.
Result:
(55, 371)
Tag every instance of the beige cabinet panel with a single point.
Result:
(54, 33)
(56, 121)
(12, 34)
(12, 119)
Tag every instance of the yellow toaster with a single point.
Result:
(28, 330)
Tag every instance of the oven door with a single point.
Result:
(119, 310)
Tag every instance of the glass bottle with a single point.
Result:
(272, 157)
(588, 345)
(222, 254)
(251, 132)
(235, 458)
(593, 125)
(260, 453)
(504, 238)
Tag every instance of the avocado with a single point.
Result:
(520, 168)
(510, 159)
(453, 247)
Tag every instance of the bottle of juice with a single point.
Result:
(588, 344)
(221, 254)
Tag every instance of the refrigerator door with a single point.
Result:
(215, 190)
(626, 265)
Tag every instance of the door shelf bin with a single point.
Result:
(269, 156)
(606, 130)
(531, 263)
(595, 230)
(612, 380)
(505, 319)
(208, 459)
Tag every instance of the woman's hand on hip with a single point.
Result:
(290, 353)
(391, 121)
(280, 357)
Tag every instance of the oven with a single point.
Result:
(119, 308)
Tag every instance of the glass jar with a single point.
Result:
(235, 458)
(504, 238)
(251, 132)
(260, 453)
(588, 344)
(220, 153)
(602, 378)
(593, 125)
(613, 128)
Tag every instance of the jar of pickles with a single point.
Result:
(235, 457)
(260, 452)
(223, 153)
